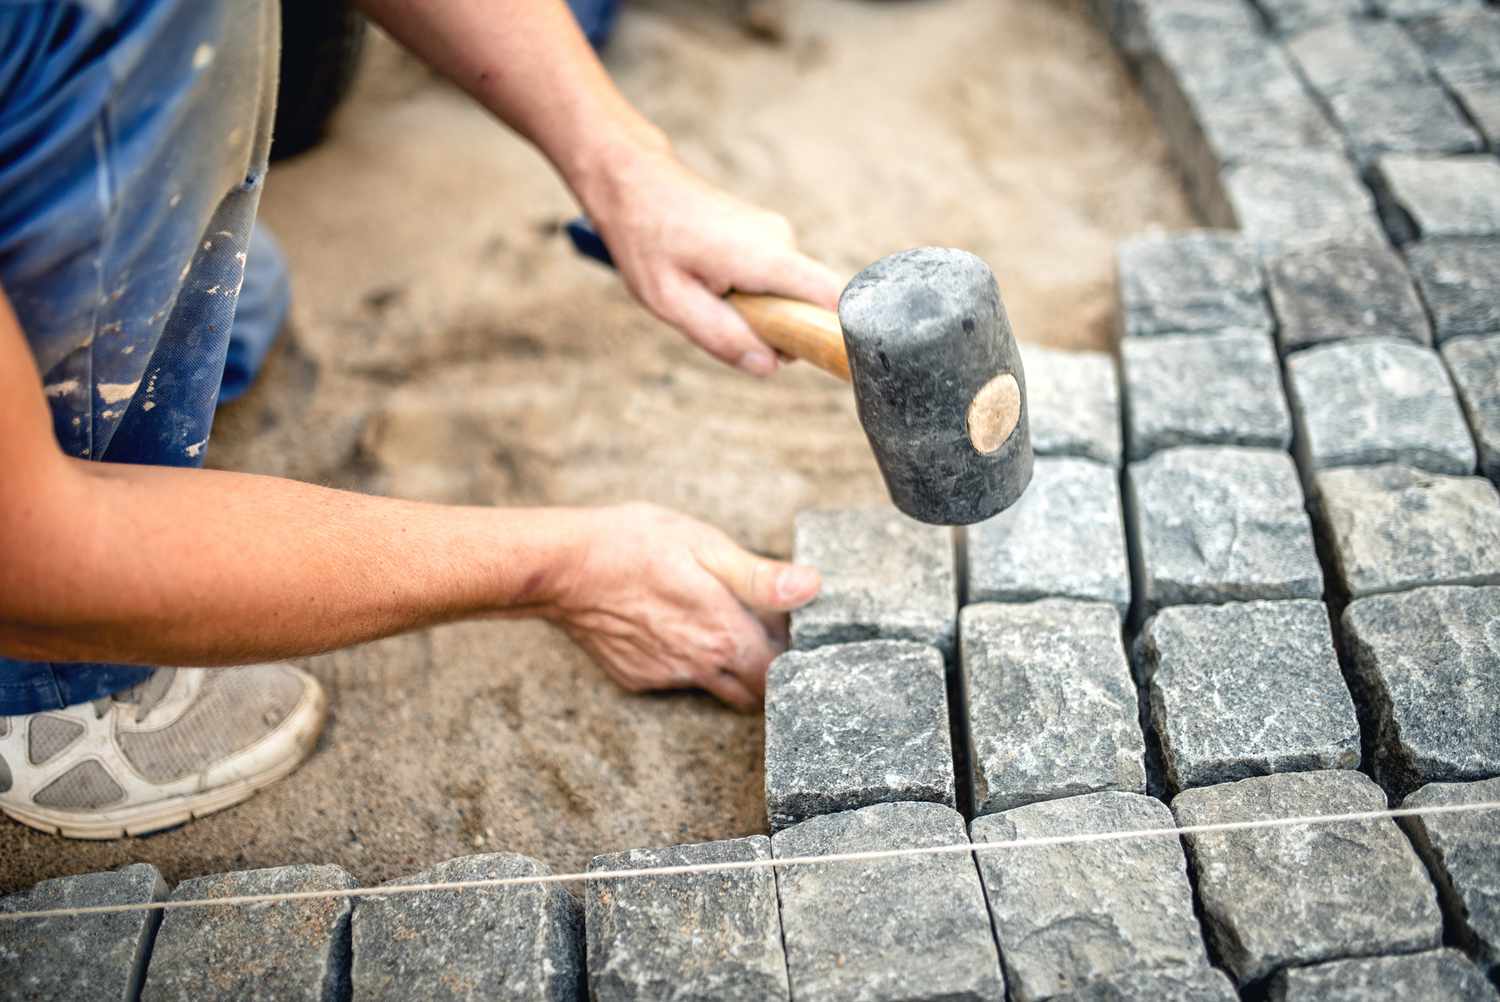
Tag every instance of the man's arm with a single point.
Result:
(151, 565)
(680, 243)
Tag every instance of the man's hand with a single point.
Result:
(681, 244)
(662, 601)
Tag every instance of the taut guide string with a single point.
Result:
(873, 855)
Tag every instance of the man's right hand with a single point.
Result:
(663, 601)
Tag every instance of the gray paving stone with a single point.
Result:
(1463, 852)
(1339, 291)
(906, 928)
(1474, 363)
(524, 941)
(1215, 524)
(1294, 199)
(1406, 9)
(1247, 689)
(1290, 895)
(885, 577)
(1196, 281)
(82, 959)
(1203, 389)
(1426, 666)
(1417, 117)
(1288, 16)
(1393, 527)
(1481, 102)
(1460, 282)
(705, 936)
(1052, 706)
(1461, 44)
(1069, 914)
(1438, 197)
(1378, 400)
(1073, 403)
(295, 950)
(1216, 49)
(1435, 976)
(851, 725)
(1065, 537)
(1179, 984)
(1350, 54)
(1154, 25)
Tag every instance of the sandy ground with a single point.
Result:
(446, 345)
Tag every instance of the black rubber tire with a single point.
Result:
(321, 42)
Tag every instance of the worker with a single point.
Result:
(133, 144)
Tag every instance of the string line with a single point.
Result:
(866, 856)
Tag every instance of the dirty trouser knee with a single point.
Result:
(133, 143)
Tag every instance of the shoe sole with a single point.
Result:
(174, 811)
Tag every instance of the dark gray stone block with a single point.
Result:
(1426, 666)
(1293, 199)
(1481, 102)
(1289, 16)
(1444, 975)
(1073, 402)
(1461, 44)
(1203, 389)
(292, 950)
(856, 724)
(1393, 527)
(885, 577)
(523, 941)
(1179, 984)
(1217, 50)
(1247, 689)
(1290, 895)
(1377, 400)
(1069, 914)
(1474, 363)
(1438, 197)
(1198, 281)
(1340, 291)
(82, 959)
(1064, 538)
(1463, 852)
(1155, 26)
(912, 927)
(1052, 707)
(1219, 525)
(1403, 10)
(714, 935)
(1411, 118)
(1460, 282)
(1350, 54)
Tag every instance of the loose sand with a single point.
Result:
(446, 345)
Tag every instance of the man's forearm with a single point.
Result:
(161, 566)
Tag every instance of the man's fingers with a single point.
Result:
(689, 306)
(785, 271)
(761, 584)
(727, 687)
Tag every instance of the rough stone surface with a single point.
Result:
(1196, 281)
(1181, 984)
(1203, 389)
(686, 937)
(82, 959)
(1413, 117)
(1220, 525)
(1474, 363)
(295, 950)
(1274, 897)
(1194, 35)
(1392, 527)
(1481, 102)
(904, 928)
(1349, 54)
(1427, 668)
(1295, 199)
(1065, 538)
(1287, 16)
(885, 577)
(1052, 707)
(1247, 689)
(1460, 282)
(1445, 975)
(1378, 400)
(1435, 198)
(1463, 852)
(856, 724)
(1460, 45)
(516, 942)
(1403, 10)
(1340, 291)
(1073, 400)
(1066, 915)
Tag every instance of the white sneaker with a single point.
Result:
(183, 744)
